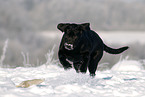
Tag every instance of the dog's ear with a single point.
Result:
(86, 26)
(62, 26)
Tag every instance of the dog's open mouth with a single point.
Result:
(68, 46)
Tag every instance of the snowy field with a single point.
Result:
(118, 82)
(125, 79)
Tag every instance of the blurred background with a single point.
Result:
(30, 27)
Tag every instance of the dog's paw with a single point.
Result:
(92, 75)
(67, 67)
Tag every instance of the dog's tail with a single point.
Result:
(115, 51)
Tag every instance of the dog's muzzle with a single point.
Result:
(68, 46)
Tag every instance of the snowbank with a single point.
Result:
(60, 83)
(128, 65)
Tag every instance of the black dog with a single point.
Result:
(83, 47)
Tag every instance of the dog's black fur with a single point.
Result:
(83, 47)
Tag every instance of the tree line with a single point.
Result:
(37, 15)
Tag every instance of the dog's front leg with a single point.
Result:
(77, 66)
(83, 68)
(62, 58)
(82, 65)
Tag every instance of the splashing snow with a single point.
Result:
(60, 83)
(128, 65)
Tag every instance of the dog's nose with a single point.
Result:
(68, 46)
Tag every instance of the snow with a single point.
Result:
(128, 65)
(61, 83)
(125, 79)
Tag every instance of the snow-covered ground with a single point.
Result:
(125, 79)
(60, 83)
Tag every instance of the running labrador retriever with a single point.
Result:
(83, 47)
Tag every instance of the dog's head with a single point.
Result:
(72, 33)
